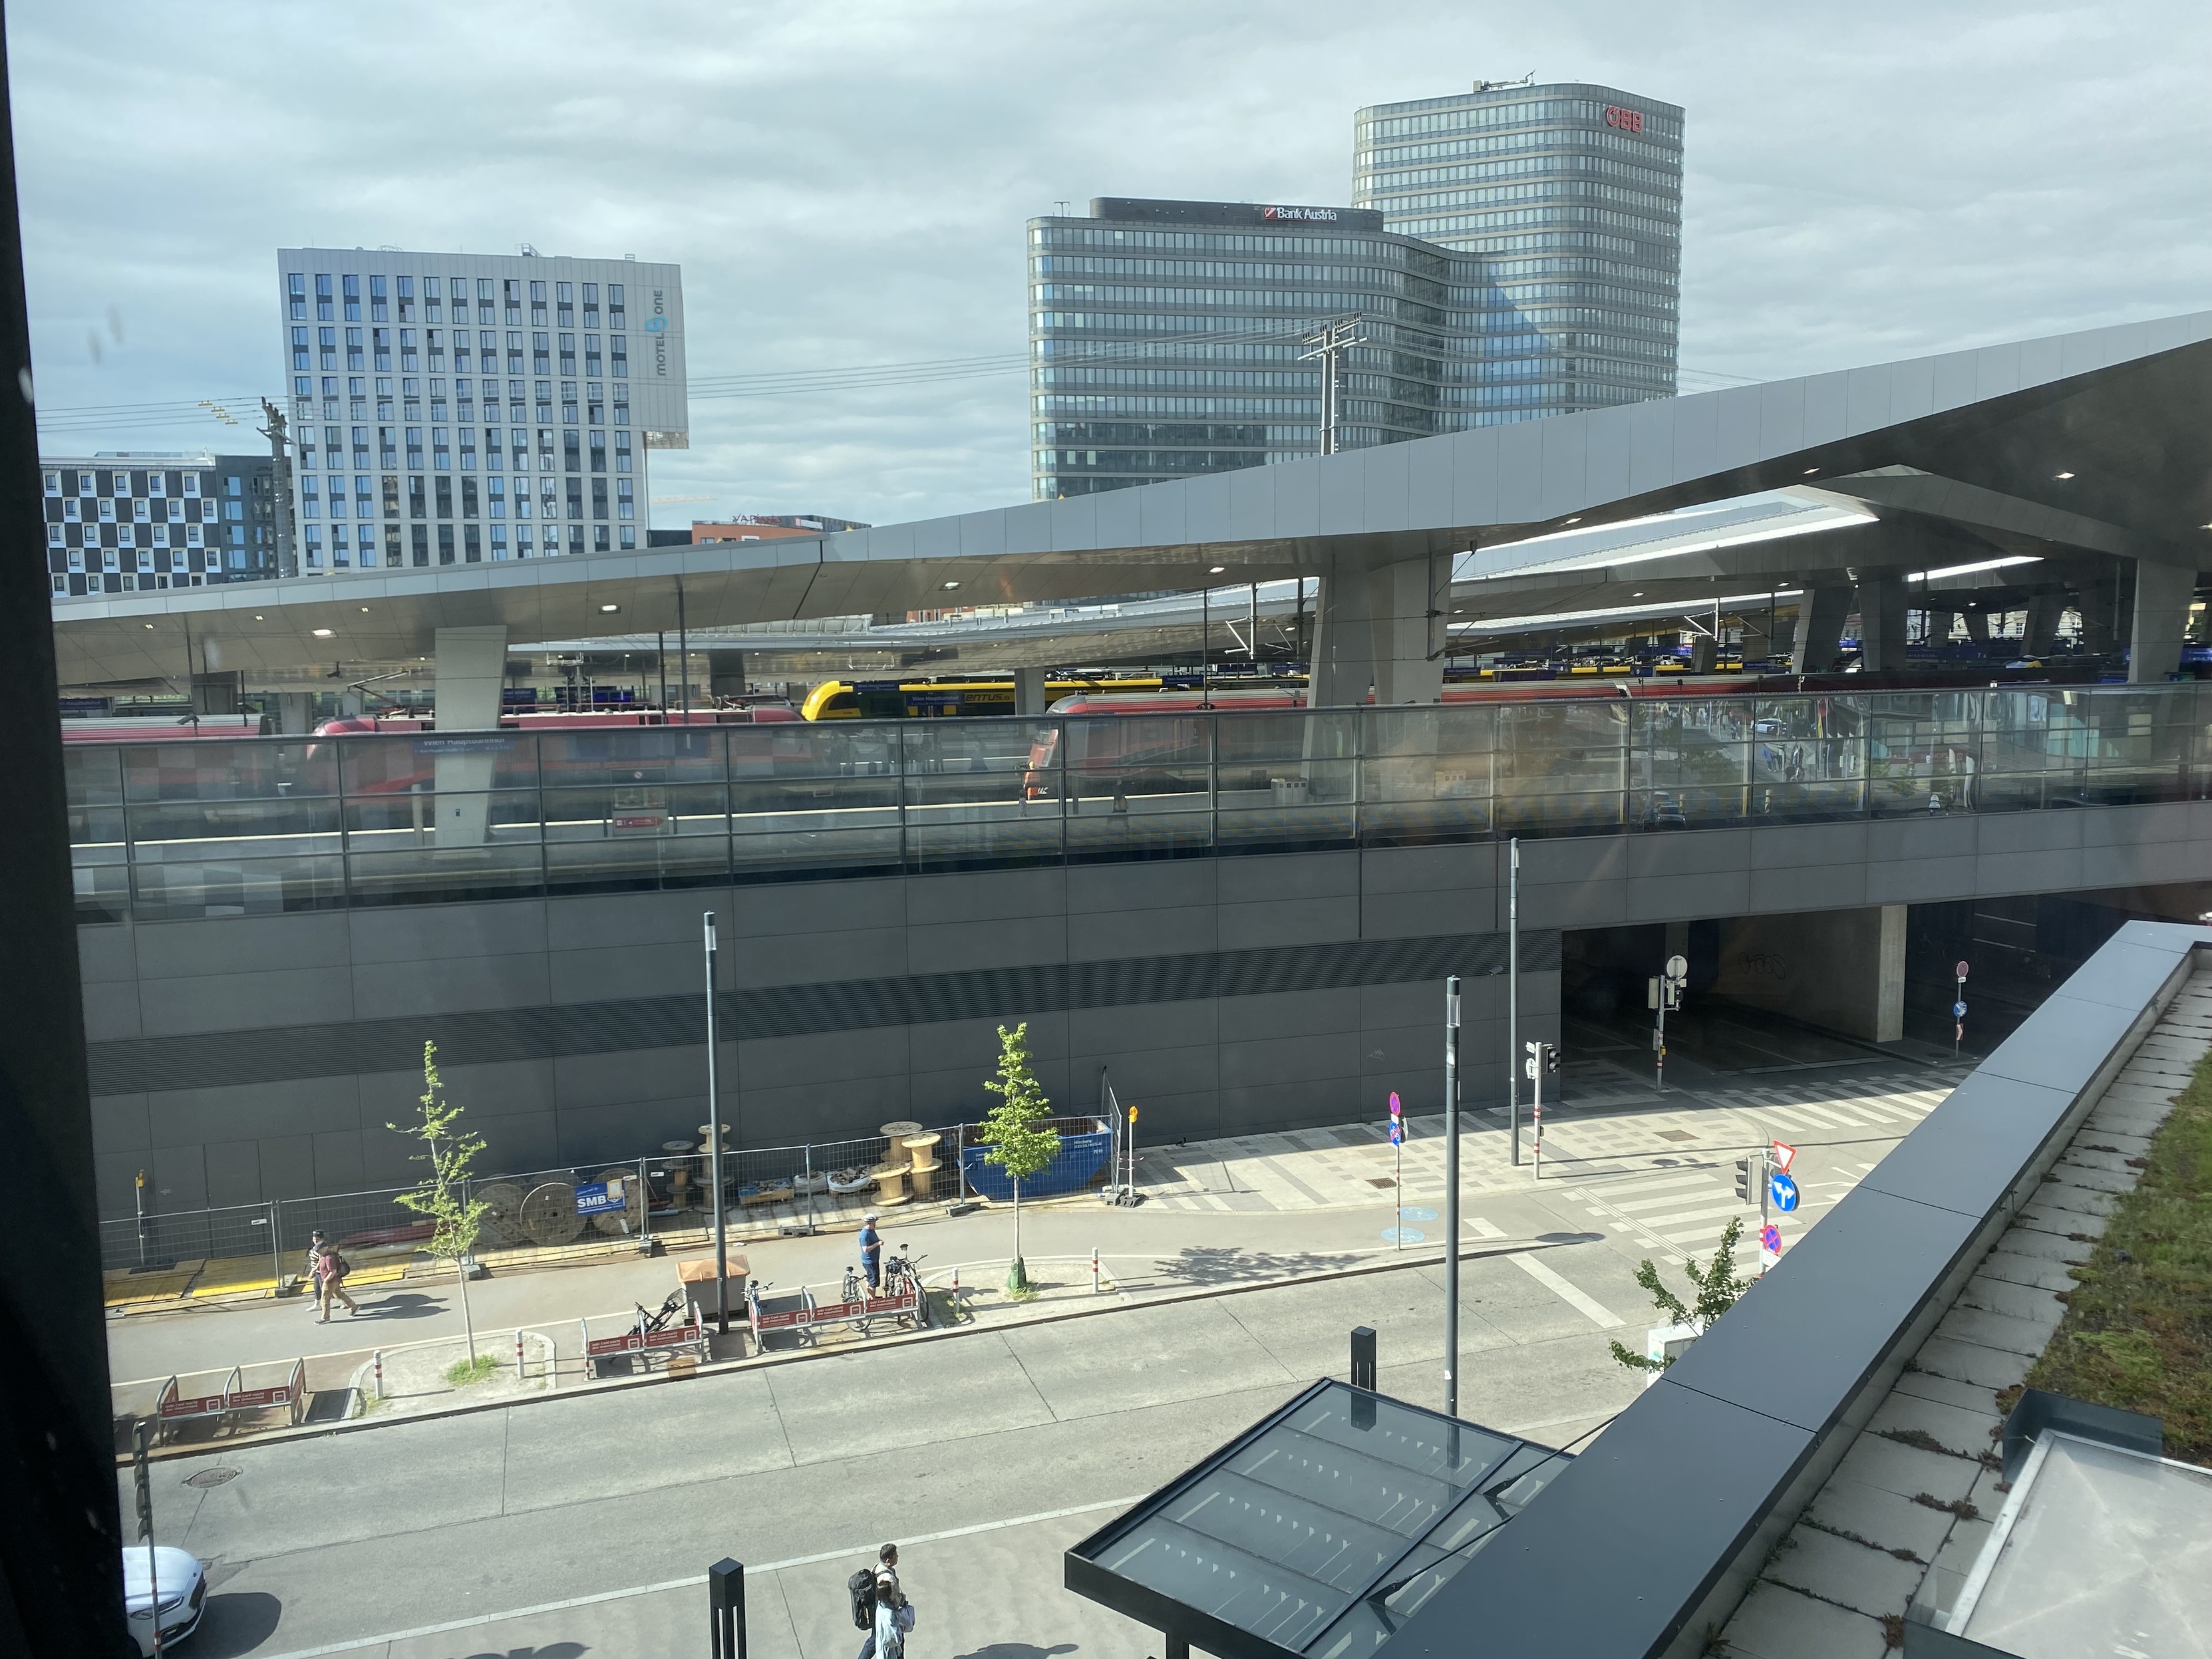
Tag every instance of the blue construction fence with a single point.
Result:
(1084, 1160)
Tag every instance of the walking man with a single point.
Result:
(872, 1252)
(330, 1283)
(894, 1618)
(311, 1273)
(863, 1586)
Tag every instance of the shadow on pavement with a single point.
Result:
(1570, 1239)
(1017, 1650)
(551, 1650)
(1228, 1265)
(403, 1304)
(235, 1622)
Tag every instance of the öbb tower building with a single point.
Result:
(1568, 198)
(1501, 272)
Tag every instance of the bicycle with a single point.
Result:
(902, 1275)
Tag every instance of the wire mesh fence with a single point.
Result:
(784, 1188)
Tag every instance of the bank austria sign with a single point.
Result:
(1324, 215)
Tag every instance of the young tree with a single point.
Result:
(455, 1221)
(1010, 1129)
(1717, 1287)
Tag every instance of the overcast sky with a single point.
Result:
(848, 185)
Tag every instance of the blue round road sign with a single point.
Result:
(1958, 1010)
(1784, 1190)
(1403, 1234)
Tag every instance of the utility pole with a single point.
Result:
(1513, 993)
(1328, 344)
(280, 457)
(1451, 1196)
(714, 1152)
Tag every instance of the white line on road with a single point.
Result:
(850, 1551)
(1482, 1229)
(1589, 1307)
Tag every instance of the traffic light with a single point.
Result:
(1551, 1052)
(1743, 1189)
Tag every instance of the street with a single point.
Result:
(451, 1526)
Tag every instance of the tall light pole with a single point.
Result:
(714, 1152)
(1451, 1196)
(1513, 993)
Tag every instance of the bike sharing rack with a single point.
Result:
(687, 1338)
(173, 1407)
(909, 1306)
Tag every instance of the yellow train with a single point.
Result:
(892, 700)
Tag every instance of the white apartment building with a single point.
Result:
(465, 408)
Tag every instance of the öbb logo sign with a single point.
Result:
(1628, 120)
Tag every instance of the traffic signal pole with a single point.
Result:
(1451, 1196)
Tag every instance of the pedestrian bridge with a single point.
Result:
(277, 825)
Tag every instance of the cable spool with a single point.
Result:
(503, 1217)
(549, 1214)
(624, 1220)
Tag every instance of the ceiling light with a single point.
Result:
(948, 586)
(2062, 476)
(258, 617)
(148, 624)
(1216, 570)
(1810, 471)
(609, 610)
(364, 611)
(324, 633)
(1577, 518)
(1638, 595)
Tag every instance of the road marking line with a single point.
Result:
(1587, 1306)
(1706, 1214)
(852, 1552)
(1482, 1229)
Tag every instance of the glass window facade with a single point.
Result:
(1512, 254)
(1566, 202)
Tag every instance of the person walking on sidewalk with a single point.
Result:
(862, 1585)
(894, 1618)
(872, 1252)
(311, 1272)
(330, 1283)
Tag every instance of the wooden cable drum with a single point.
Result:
(503, 1215)
(549, 1214)
(624, 1220)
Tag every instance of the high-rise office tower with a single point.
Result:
(1570, 197)
(1168, 339)
(461, 408)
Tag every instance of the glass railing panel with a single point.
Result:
(1562, 767)
(967, 794)
(1135, 786)
(633, 755)
(836, 749)
(2140, 743)
(1425, 776)
(790, 829)
(1287, 782)
(164, 830)
(636, 836)
(208, 884)
(92, 775)
(395, 763)
(212, 769)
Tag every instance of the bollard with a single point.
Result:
(1094, 1270)
(725, 1601)
(518, 1373)
(376, 1371)
(956, 1287)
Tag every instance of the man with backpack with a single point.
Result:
(880, 1608)
(330, 1283)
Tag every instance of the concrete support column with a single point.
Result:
(1881, 623)
(2099, 607)
(216, 694)
(2040, 632)
(1029, 691)
(1371, 629)
(2161, 621)
(1704, 650)
(1841, 969)
(726, 673)
(294, 712)
(1820, 616)
(471, 666)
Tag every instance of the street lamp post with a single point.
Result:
(1513, 995)
(714, 1152)
(1451, 1196)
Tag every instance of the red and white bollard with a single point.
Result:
(956, 1287)
(376, 1371)
(518, 1357)
(1094, 1270)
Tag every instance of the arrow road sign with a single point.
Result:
(1785, 1189)
(1958, 1010)
(1783, 1152)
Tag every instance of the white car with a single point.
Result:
(182, 1584)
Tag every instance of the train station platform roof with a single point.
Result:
(2087, 445)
